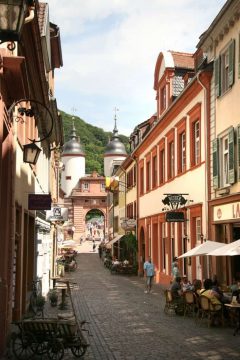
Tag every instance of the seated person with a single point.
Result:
(218, 291)
(210, 293)
(186, 285)
(197, 286)
(176, 290)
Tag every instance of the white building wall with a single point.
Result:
(74, 167)
(108, 163)
(25, 184)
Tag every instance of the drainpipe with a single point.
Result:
(137, 212)
(206, 136)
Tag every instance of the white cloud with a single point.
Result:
(110, 48)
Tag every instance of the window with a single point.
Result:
(224, 69)
(195, 135)
(198, 229)
(102, 187)
(224, 159)
(183, 152)
(85, 186)
(148, 176)
(163, 98)
(154, 171)
(130, 178)
(162, 166)
(130, 211)
(68, 177)
(141, 180)
(224, 162)
(171, 160)
(196, 132)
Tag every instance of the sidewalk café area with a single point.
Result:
(66, 260)
(218, 303)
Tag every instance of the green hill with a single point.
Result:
(93, 139)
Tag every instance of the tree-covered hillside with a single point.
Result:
(93, 139)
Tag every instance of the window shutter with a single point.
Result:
(215, 163)
(238, 150)
(217, 76)
(231, 50)
(231, 156)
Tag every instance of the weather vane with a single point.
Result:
(115, 116)
(73, 109)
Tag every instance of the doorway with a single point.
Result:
(236, 259)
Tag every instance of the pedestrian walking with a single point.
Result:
(94, 246)
(149, 273)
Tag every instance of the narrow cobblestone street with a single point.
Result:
(127, 324)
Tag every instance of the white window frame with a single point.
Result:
(224, 71)
(85, 186)
(198, 228)
(183, 152)
(197, 142)
(224, 163)
(172, 159)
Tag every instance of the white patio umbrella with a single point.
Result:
(68, 243)
(202, 249)
(231, 249)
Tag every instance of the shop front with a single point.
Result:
(225, 228)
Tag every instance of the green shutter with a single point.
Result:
(217, 76)
(231, 50)
(215, 163)
(231, 156)
(238, 151)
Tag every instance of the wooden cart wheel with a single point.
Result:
(24, 346)
(55, 349)
(78, 350)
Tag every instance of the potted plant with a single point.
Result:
(40, 302)
(53, 297)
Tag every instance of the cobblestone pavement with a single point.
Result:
(127, 324)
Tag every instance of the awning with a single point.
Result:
(68, 244)
(110, 243)
(231, 249)
(202, 249)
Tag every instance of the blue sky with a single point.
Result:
(110, 48)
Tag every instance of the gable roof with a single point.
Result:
(182, 60)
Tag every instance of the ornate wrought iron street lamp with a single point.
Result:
(12, 18)
(31, 151)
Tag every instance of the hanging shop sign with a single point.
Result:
(57, 214)
(174, 201)
(39, 201)
(175, 216)
(128, 224)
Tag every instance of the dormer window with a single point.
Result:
(85, 186)
(163, 98)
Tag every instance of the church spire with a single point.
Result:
(115, 130)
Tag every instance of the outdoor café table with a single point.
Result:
(63, 288)
(237, 307)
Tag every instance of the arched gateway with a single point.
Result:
(87, 199)
(95, 224)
